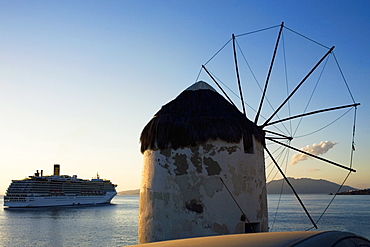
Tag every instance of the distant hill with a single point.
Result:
(129, 192)
(305, 186)
(301, 185)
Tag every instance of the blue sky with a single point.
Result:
(80, 79)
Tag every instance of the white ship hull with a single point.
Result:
(50, 201)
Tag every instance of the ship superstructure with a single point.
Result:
(58, 190)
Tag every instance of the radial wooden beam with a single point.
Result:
(313, 112)
(218, 85)
(237, 75)
(291, 186)
(278, 134)
(269, 74)
(312, 155)
(298, 86)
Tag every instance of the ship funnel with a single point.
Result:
(56, 170)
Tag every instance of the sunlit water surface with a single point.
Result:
(116, 224)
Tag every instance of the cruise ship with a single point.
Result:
(58, 190)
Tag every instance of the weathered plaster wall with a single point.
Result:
(182, 194)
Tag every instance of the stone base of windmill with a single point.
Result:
(197, 191)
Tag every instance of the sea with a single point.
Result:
(116, 224)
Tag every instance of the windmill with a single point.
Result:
(204, 168)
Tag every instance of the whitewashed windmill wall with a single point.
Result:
(192, 159)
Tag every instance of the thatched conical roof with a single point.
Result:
(197, 115)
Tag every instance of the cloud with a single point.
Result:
(315, 149)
